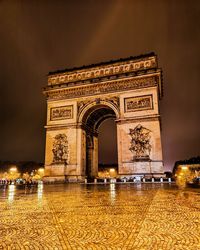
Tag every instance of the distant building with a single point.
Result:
(15, 170)
(187, 169)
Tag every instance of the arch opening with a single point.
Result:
(107, 149)
(96, 121)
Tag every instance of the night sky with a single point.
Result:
(41, 36)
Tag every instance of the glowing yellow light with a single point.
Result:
(13, 169)
(184, 168)
(41, 170)
(11, 192)
(112, 170)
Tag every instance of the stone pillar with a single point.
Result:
(95, 157)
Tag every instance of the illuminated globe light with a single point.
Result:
(184, 168)
(112, 172)
(13, 173)
(14, 169)
(41, 170)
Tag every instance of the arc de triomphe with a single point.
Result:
(80, 99)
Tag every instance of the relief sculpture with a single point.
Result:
(140, 142)
(60, 149)
(114, 100)
(60, 113)
(83, 103)
(138, 103)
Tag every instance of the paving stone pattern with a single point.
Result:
(113, 216)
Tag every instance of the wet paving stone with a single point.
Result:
(112, 216)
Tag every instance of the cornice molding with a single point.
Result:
(138, 119)
(60, 126)
(103, 70)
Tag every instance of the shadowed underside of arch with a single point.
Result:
(96, 115)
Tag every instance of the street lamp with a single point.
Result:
(13, 169)
(41, 172)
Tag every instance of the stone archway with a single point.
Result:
(90, 119)
(80, 99)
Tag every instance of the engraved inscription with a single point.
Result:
(61, 113)
(138, 103)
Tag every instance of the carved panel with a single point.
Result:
(61, 113)
(140, 142)
(138, 103)
(60, 149)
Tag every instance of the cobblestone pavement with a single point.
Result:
(115, 216)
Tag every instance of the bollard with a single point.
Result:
(105, 180)
(152, 179)
(143, 180)
(85, 181)
(161, 179)
(169, 180)
(124, 180)
(95, 181)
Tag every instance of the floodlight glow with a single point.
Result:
(184, 167)
(13, 169)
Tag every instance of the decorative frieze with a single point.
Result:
(61, 113)
(103, 71)
(102, 88)
(138, 103)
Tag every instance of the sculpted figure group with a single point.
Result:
(140, 142)
(60, 149)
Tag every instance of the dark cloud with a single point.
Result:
(42, 36)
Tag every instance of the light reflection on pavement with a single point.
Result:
(104, 216)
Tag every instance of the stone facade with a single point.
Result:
(79, 100)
